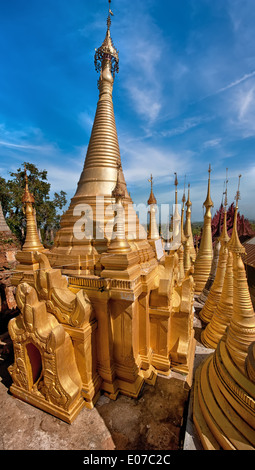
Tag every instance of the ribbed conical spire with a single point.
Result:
(32, 241)
(176, 219)
(202, 266)
(241, 331)
(218, 276)
(153, 229)
(188, 227)
(98, 179)
(224, 309)
(183, 238)
(181, 250)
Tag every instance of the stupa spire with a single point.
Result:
(182, 216)
(241, 331)
(221, 239)
(153, 229)
(32, 241)
(107, 50)
(208, 202)
(214, 295)
(235, 245)
(202, 266)
(224, 234)
(176, 218)
(188, 227)
(119, 242)
(98, 179)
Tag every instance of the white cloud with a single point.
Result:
(246, 103)
(212, 143)
(144, 102)
(144, 158)
(186, 125)
(237, 82)
(242, 111)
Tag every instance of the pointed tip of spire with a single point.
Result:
(188, 203)
(152, 199)
(225, 193)
(208, 202)
(234, 244)
(107, 49)
(224, 238)
(27, 196)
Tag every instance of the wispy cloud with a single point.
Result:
(212, 143)
(243, 107)
(144, 158)
(236, 82)
(144, 102)
(247, 102)
(30, 145)
(186, 125)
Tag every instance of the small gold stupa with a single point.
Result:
(153, 233)
(224, 395)
(203, 262)
(215, 292)
(188, 228)
(216, 252)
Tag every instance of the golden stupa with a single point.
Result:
(188, 228)
(114, 292)
(216, 252)
(224, 394)
(153, 232)
(203, 262)
(181, 250)
(224, 309)
(214, 294)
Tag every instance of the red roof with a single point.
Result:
(249, 257)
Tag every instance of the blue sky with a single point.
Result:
(184, 96)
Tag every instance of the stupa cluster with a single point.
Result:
(108, 309)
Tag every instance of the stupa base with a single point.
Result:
(187, 367)
(68, 415)
(223, 410)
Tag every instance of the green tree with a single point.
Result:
(47, 209)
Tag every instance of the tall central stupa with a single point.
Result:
(75, 249)
(117, 295)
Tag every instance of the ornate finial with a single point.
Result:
(235, 244)
(107, 50)
(27, 196)
(225, 193)
(188, 203)
(151, 181)
(176, 196)
(118, 193)
(224, 238)
(109, 16)
(152, 199)
(184, 197)
(208, 202)
(237, 198)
